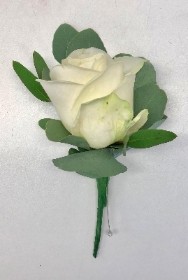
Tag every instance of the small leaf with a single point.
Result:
(122, 54)
(42, 123)
(29, 80)
(85, 39)
(146, 75)
(150, 137)
(40, 64)
(93, 164)
(76, 141)
(55, 131)
(62, 37)
(154, 99)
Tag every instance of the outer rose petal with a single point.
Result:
(91, 58)
(63, 96)
(102, 86)
(70, 73)
(104, 121)
(138, 122)
(126, 89)
(131, 64)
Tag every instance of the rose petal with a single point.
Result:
(126, 90)
(102, 86)
(104, 121)
(91, 58)
(63, 96)
(131, 64)
(72, 73)
(138, 122)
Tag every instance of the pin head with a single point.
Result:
(109, 233)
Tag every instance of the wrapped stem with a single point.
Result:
(102, 184)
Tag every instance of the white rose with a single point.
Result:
(93, 95)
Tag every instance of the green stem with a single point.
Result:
(102, 184)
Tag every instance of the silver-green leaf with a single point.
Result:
(62, 37)
(154, 99)
(76, 141)
(55, 131)
(146, 75)
(85, 39)
(42, 123)
(93, 163)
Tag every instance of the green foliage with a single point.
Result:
(149, 138)
(76, 141)
(85, 39)
(93, 163)
(62, 37)
(67, 39)
(55, 131)
(29, 80)
(40, 64)
(150, 97)
(42, 123)
(146, 75)
(147, 95)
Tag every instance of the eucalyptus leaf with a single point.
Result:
(62, 37)
(150, 137)
(55, 131)
(146, 75)
(154, 99)
(40, 64)
(85, 39)
(93, 163)
(42, 123)
(76, 141)
(29, 80)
